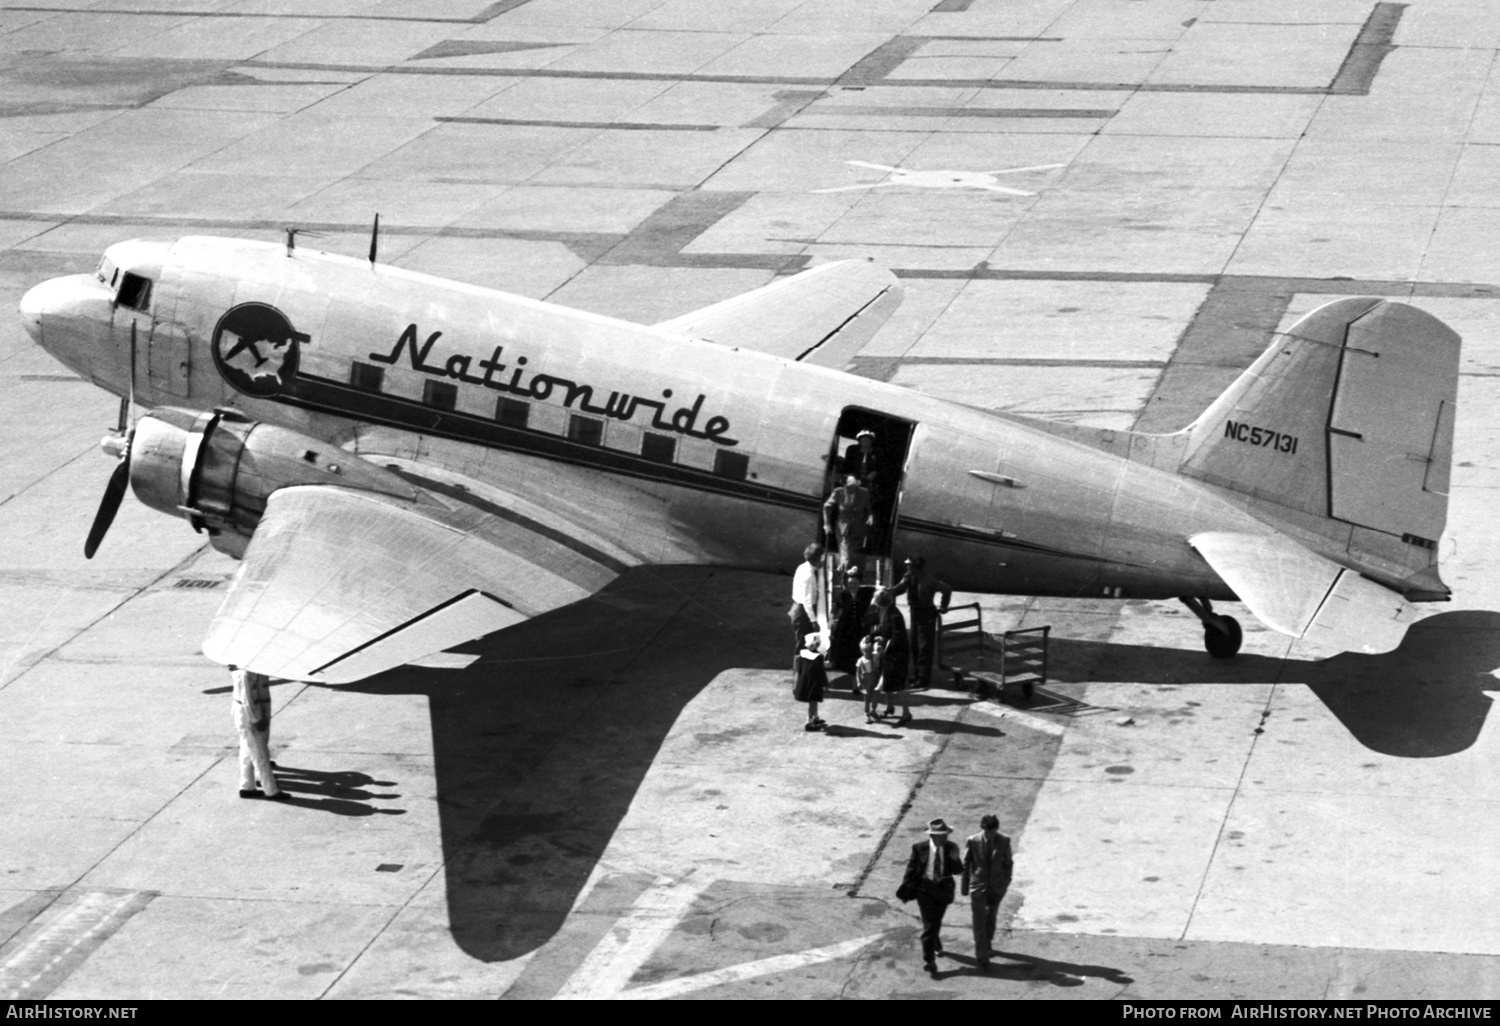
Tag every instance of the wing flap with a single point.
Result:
(471, 614)
(1297, 592)
(823, 316)
(338, 584)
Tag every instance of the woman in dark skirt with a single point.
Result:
(848, 623)
(811, 679)
(885, 621)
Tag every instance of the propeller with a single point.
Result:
(108, 506)
(117, 444)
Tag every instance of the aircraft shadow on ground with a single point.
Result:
(540, 745)
(1424, 699)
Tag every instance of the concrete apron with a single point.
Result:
(1180, 817)
(753, 835)
(1291, 798)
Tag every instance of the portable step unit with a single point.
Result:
(987, 663)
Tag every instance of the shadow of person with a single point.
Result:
(1029, 967)
(1424, 699)
(942, 727)
(342, 792)
(841, 730)
(540, 745)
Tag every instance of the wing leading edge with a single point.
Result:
(337, 585)
(1297, 592)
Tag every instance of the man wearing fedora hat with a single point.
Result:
(929, 878)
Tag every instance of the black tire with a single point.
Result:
(1223, 638)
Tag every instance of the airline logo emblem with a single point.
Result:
(256, 349)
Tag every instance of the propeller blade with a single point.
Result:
(108, 507)
(124, 415)
(130, 396)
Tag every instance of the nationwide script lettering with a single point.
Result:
(531, 385)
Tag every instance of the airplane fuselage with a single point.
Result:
(661, 448)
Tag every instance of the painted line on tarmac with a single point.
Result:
(632, 940)
(746, 971)
(35, 967)
(1033, 722)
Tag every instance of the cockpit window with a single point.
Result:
(135, 292)
(106, 272)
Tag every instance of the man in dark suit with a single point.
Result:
(929, 878)
(987, 871)
(861, 460)
(921, 589)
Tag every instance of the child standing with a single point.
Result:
(867, 673)
(812, 678)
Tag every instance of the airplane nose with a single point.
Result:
(32, 306)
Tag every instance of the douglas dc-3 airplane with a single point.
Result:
(404, 463)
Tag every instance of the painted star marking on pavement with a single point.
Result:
(943, 179)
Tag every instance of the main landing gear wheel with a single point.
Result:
(1221, 634)
(1222, 637)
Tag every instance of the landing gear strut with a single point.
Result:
(1221, 634)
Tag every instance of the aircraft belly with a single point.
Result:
(995, 566)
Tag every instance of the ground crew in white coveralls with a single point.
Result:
(252, 718)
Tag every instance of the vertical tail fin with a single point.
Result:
(1344, 427)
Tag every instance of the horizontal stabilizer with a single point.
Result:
(1361, 616)
(1297, 592)
(823, 316)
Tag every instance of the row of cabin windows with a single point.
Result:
(658, 448)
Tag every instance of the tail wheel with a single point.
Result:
(1222, 636)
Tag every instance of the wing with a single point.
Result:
(338, 584)
(823, 316)
(1298, 592)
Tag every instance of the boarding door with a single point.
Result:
(879, 460)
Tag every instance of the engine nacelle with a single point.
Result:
(217, 469)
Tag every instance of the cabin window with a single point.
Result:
(366, 376)
(135, 292)
(728, 463)
(512, 412)
(658, 448)
(441, 394)
(588, 430)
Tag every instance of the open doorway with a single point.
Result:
(871, 447)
